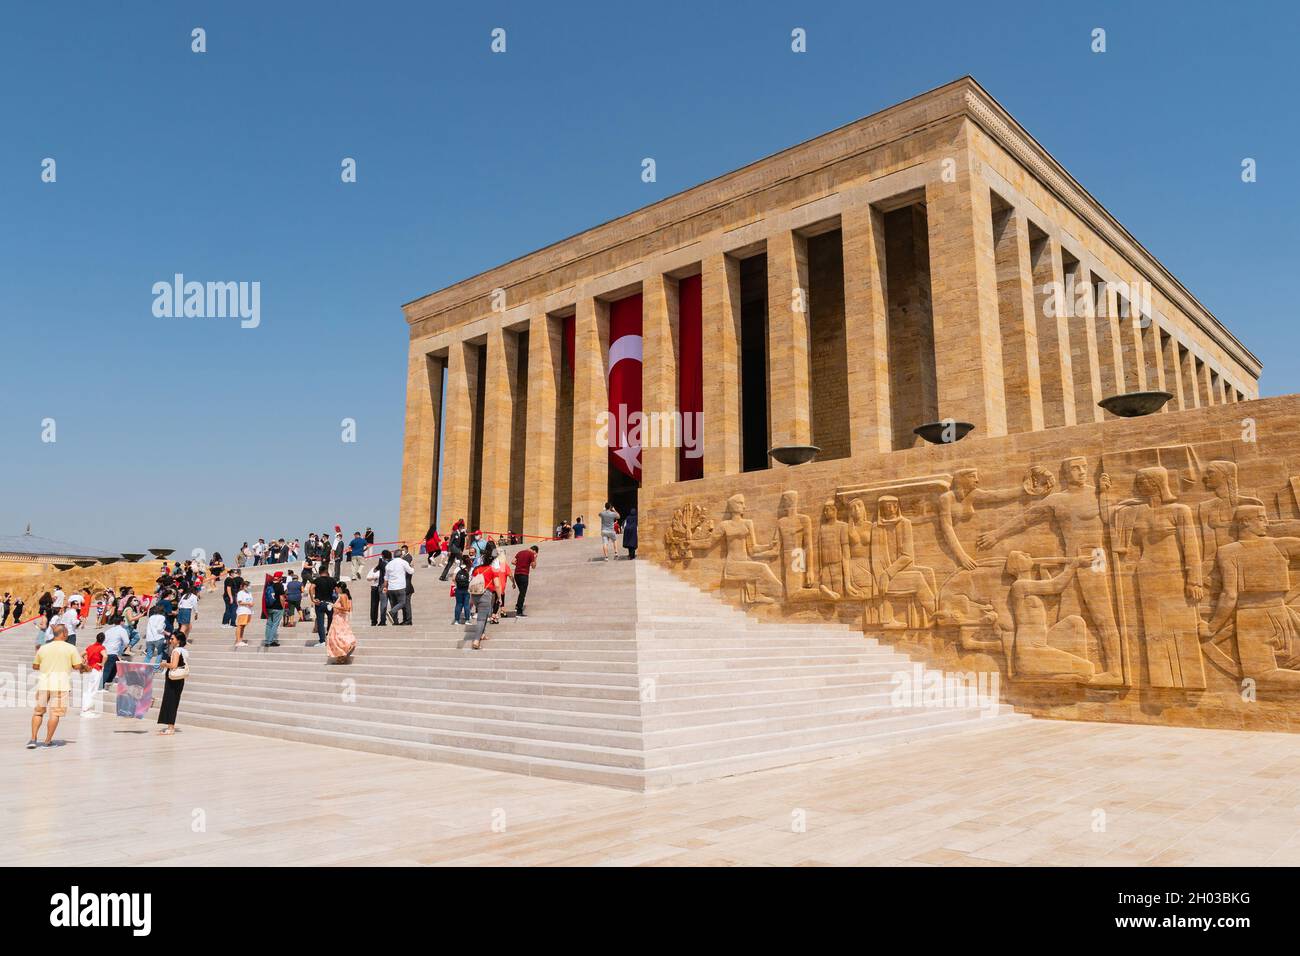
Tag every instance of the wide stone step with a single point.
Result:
(415, 715)
(623, 778)
(625, 758)
(536, 696)
(493, 707)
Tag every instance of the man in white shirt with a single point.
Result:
(155, 637)
(70, 619)
(116, 640)
(58, 598)
(395, 587)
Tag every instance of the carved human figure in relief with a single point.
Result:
(740, 552)
(957, 504)
(1039, 652)
(1215, 516)
(1076, 513)
(794, 545)
(1168, 576)
(894, 570)
(1256, 577)
(832, 553)
(860, 582)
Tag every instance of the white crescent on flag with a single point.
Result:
(626, 347)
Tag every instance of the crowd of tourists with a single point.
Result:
(474, 565)
(612, 524)
(165, 617)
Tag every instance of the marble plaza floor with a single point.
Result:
(1045, 792)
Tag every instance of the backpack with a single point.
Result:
(462, 578)
(477, 584)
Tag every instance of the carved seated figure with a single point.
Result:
(1042, 653)
(895, 575)
(758, 585)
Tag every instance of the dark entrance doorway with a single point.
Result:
(622, 492)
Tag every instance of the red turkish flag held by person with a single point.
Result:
(625, 384)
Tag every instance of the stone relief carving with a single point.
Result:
(832, 552)
(793, 543)
(742, 566)
(1167, 572)
(897, 578)
(690, 523)
(1054, 576)
(1076, 514)
(1254, 605)
(1039, 651)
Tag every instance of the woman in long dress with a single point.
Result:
(1168, 575)
(178, 656)
(340, 642)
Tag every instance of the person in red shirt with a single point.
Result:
(91, 677)
(525, 561)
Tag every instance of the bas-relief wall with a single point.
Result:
(1140, 570)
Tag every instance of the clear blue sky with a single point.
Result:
(225, 166)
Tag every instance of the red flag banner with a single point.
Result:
(625, 385)
(690, 378)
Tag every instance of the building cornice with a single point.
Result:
(961, 98)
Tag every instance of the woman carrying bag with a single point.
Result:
(177, 668)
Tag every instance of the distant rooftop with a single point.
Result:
(33, 546)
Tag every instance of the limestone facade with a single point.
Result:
(928, 262)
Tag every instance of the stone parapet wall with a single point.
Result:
(1136, 570)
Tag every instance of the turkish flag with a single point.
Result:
(625, 384)
(690, 377)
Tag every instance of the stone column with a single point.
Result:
(1151, 356)
(1024, 389)
(458, 433)
(964, 297)
(498, 429)
(545, 345)
(1187, 374)
(659, 349)
(720, 293)
(866, 311)
(420, 455)
(1205, 386)
(1173, 373)
(1084, 350)
(1131, 326)
(1055, 363)
(789, 386)
(1114, 380)
(590, 403)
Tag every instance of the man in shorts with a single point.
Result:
(55, 662)
(607, 518)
